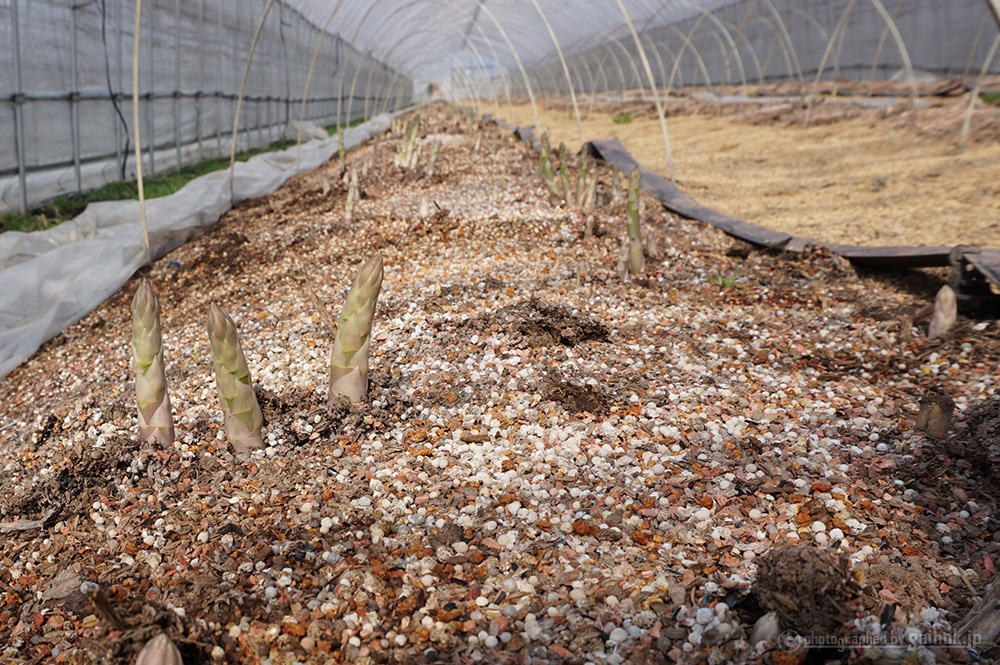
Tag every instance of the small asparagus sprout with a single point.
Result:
(652, 244)
(945, 312)
(432, 160)
(472, 125)
(635, 258)
(766, 630)
(160, 651)
(616, 187)
(563, 172)
(591, 195)
(424, 209)
(155, 421)
(375, 151)
(349, 357)
(588, 227)
(240, 412)
(475, 146)
(545, 166)
(414, 159)
(352, 196)
(340, 147)
(622, 267)
(581, 178)
(411, 143)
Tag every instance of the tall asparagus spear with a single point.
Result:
(546, 165)
(349, 357)
(155, 421)
(341, 155)
(240, 412)
(564, 174)
(635, 258)
(352, 196)
(581, 179)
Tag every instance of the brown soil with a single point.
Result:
(864, 176)
(552, 464)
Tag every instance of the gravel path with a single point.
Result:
(553, 465)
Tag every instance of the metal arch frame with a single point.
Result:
(635, 68)
(881, 43)
(608, 51)
(475, 52)
(652, 84)
(312, 65)
(398, 74)
(779, 42)
(749, 45)
(903, 52)
(243, 88)
(612, 41)
(489, 43)
(680, 54)
(721, 26)
(455, 8)
(788, 41)
(579, 62)
(398, 80)
(569, 80)
(750, 50)
(481, 4)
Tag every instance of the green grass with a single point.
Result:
(332, 129)
(69, 206)
(990, 97)
(622, 118)
(725, 281)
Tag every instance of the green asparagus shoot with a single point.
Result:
(241, 414)
(155, 420)
(349, 357)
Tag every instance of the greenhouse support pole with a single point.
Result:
(243, 87)
(177, 80)
(74, 98)
(150, 98)
(18, 108)
(201, 80)
(136, 132)
(218, 90)
(119, 157)
(994, 6)
(569, 80)
(652, 85)
(967, 123)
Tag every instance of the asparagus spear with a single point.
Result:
(635, 258)
(155, 421)
(581, 179)
(240, 411)
(546, 165)
(352, 196)
(564, 173)
(349, 357)
(159, 651)
(342, 156)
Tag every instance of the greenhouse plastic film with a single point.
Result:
(54, 278)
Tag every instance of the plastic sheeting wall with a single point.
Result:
(782, 40)
(53, 278)
(62, 59)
